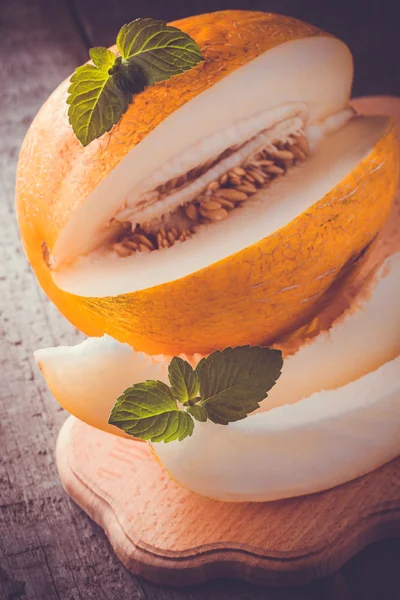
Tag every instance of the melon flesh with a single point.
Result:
(105, 274)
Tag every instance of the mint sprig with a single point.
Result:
(225, 387)
(100, 93)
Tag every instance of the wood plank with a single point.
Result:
(369, 28)
(48, 548)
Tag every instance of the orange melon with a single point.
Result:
(249, 278)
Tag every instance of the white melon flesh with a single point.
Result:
(316, 440)
(87, 378)
(100, 274)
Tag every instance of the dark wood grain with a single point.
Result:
(49, 549)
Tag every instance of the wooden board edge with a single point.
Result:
(207, 564)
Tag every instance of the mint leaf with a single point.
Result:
(96, 101)
(183, 379)
(234, 381)
(231, 384)
(149, 411)
(157, 49)
(166, 427)
(198, 412)
(100, 93)
(102, 58)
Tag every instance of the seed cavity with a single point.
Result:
(218, 199)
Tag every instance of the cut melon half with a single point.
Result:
(232, 218)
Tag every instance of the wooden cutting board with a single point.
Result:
(172, 536)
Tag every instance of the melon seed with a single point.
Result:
(233, 195)
(130, 244)
(297, 153)
(247, 188)
(210, 205)
(275, 170)
(122, 250)
(302, 143)
(235, 180)
(283, 154)
(238, 171)
(226, 203)
(171, 237)
(191, 212)
(249, 178)
(218, 215)
(143, 241)
(257, 176)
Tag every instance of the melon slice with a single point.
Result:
(150, 242)
(317, 443)
(317, 439)
(87, 378)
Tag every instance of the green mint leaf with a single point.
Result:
(183, 379)
(231, 384)
(233, 381)
(149, 411)
(102, 58)
(157, 49)
(100, 93)
(96, 102)
(166, 427)
(198, 412)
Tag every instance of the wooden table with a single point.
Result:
(49, 549)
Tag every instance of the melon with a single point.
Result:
(226, 206)
(247, 201)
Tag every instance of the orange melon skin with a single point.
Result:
(249, 297)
